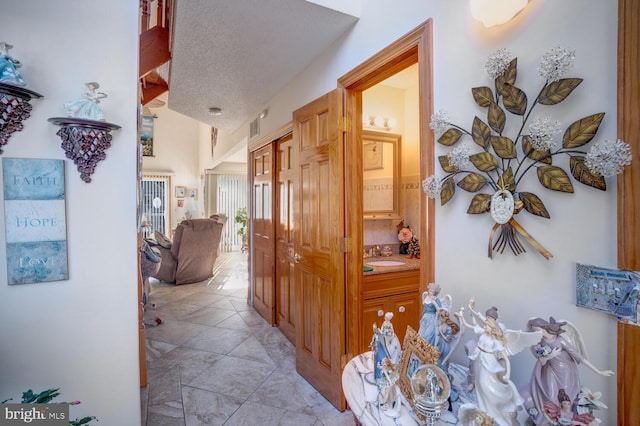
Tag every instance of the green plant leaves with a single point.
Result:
(584, 175)
(482, 95)
(557, 91)
(582, 131)
(473, 182)
(481, 133)
(447, 191)
(554, 178)
(450, 137)
(479, 204)
(484, 161)
(533, 204)
(504, 147)
(496, 117)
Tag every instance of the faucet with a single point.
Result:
(376, 250)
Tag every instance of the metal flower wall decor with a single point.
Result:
(494, 167)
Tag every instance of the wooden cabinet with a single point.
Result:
(397, 292)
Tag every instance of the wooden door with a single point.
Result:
(319, 232)
(262, 232)
(286, 173)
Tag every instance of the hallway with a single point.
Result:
(215, 361)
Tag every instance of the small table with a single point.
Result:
(361, 392)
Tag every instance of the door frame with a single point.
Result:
(628, 202)
(415, 47)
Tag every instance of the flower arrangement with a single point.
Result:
(499, 163)
(409, 244)
(45, 397)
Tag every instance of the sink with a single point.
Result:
(385, 263)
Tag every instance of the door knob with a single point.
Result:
(296, 258)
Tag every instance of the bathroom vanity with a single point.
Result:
(392, 286)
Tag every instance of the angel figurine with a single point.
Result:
(471, 344)
(387, 352)
(495, 392)
(559, 352)
(431, 303)
(386, 347)
(447, 336)
(87, 107)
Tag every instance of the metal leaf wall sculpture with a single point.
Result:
(500, 162)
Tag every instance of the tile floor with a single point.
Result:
(215, 361)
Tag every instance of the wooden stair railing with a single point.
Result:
(155, 47)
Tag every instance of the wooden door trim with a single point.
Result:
(414, 47)
(272, 136)
(628, 202)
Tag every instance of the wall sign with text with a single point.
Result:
(613, 291)
(35, 222)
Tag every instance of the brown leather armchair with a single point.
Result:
(192, 253)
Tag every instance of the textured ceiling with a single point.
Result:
(237, 54)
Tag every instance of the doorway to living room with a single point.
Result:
(154, 204)
(225, 193)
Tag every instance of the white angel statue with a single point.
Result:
(496, 394)
(471, 344)
(559, 353)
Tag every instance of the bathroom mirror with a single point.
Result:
(381, 174)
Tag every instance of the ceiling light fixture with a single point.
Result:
(215, 111)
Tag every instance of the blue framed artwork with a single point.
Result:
(146, 135)
(35, 221)
(612, 291)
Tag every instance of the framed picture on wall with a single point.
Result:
(372, 156)
(181, 191)
(146, 135)
(193, 193)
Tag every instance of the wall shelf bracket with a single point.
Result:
(84, 142)
(14, 109)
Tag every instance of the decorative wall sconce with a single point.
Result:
(378, 122)
(14, 109)
(84, 141)
(496, 12)
(85, 132)
(14, 97)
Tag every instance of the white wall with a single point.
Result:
(176, 144)
(582, 227)
(80, 335)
